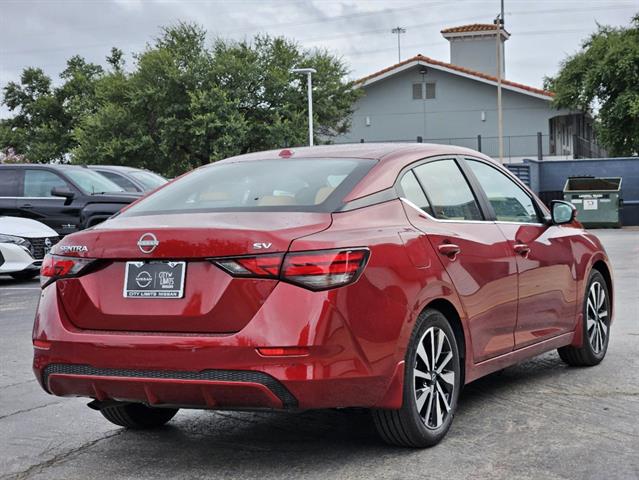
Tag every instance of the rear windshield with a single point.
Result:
(312, 185)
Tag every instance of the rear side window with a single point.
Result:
(314, 185)
(509, 201)
(119, 180)
(412, 191)
(149, 179)
(39, 183)
(450, 195)
(8, 182)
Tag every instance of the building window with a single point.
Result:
(423, 90)
(430, 91)
(417, 91)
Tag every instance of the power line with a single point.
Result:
(340, 35)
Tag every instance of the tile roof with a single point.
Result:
(473, 27)
(467, 71)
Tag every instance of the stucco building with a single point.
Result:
(424, 99)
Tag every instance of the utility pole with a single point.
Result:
(398, 31)
(499, 24)
(309, 73)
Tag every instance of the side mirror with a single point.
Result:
(63, 192)
(562, 212)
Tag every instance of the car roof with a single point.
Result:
(375, 151)
(116, 168)
(391, 159)
(54, 166)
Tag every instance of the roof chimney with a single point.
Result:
(474, 47)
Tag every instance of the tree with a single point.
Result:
(182, 105)
(186, 105)
(41, 128)
(604, 76)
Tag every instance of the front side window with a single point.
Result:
(92, 182)
(39, 183)
(509, 201)
(450, 195)
(311, 185)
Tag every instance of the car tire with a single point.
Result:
(137, 416)
(430, 395)
(25, 275)
(595, 325)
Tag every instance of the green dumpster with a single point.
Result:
(597, 200)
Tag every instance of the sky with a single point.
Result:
(45, 33)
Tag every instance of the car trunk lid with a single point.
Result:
(213, 302)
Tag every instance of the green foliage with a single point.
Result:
(605, 75)
(183, 105)
(45, 116)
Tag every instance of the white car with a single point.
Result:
(23, 245)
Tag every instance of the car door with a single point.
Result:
(545, 261)
(8, 191)
(473, 251)
(36, 201)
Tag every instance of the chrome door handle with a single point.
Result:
(521, 249)
(449, 249)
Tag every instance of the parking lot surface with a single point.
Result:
(539, 419)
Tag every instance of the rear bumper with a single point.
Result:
(205, 389)
(224, 371)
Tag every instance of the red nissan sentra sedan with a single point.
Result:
(378, 276)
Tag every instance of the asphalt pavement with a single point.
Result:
(537, 420)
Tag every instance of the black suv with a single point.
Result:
(65, 197)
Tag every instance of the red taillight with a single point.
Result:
(56, 266)
(262, 266)
(324, 269)
(315, 270)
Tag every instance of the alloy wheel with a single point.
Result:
(434, 377)
(597, 317)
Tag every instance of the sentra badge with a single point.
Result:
(73, 249)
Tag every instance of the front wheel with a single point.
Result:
(138, 416)
(431, 386)
(595, 325)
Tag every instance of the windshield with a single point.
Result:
(314, 185)
(150, 180)
(92, 182)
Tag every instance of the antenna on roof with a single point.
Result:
(398, 31)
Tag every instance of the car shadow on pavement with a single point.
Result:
(278, 443)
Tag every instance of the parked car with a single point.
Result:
(23, 245)
(130, 179)
(376, 276)
(64, 197)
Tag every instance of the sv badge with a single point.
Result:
(262, 245)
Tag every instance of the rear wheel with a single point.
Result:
(431, 386)
(595, 325)
(25, 275)
(138, 416)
